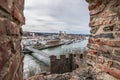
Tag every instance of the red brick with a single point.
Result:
(4, 48)
(103, 21)
(112, 43)
(19, 4)
(93, 46)
(8, 28)
(109, 64)
(15, 45)
(15, 65)
(17, 77)
(98, 48)
(97, 10)
(110, 71)
(20, 72)
(6, 5)
(115, 73)
(12, 28)
(92, 52)
(18, 14)
(114, 3)
(2, 27)
(107, 13)
(91, 40)
(99, 42)
(94, 5)
(108, 43)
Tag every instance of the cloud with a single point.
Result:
(56, 15)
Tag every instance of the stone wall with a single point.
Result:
(11, 20)
(61, 65)
(66, 64)
(104, 41)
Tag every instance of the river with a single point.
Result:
(42, 61)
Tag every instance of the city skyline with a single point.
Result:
(54, 16)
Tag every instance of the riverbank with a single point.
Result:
(46, 47)
(57, 45)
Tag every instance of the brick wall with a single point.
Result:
(11, 20)
(104, 42)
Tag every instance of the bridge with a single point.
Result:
(39, 55)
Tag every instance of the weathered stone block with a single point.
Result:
(63, 57)
(97, 10)
(52, 57)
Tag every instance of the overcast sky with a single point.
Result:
(71, 16)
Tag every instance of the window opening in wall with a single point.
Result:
(81, 56)
(56, 28)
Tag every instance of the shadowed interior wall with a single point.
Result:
(104, 42)
(11, 20)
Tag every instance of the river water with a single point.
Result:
(40, 61)
(66, 48)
